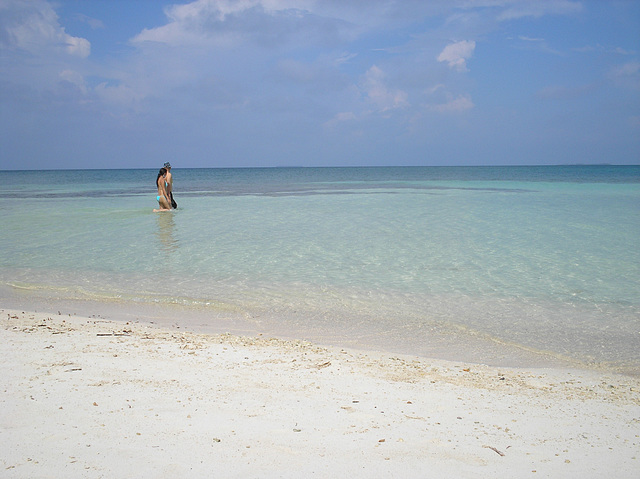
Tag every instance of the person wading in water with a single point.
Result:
(163, 196)
(167, 166)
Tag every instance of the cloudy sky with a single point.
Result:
(207, 83)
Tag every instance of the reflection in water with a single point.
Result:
(165, 233)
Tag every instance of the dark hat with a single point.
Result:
(167, 165)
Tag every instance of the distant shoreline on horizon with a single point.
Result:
(555, 165)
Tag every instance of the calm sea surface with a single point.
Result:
(500, 265)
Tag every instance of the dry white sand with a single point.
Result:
(88, 398)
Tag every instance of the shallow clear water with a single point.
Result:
(472, 263)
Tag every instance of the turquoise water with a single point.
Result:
(503, 265)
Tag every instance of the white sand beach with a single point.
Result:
(91, 398)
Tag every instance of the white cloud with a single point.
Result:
(539, 8)
(340, 118)
(33, 26)
(77, 46)
(94, 23)
(345, 58)
(627, 75)
(379, 94)
(120, 95)
(602, 49)
(75, 78)
(454, 105)
(233, 22)
(628, 69)
(457, 54)
(435, 88)
(529, 39)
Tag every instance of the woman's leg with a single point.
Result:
(164, 204)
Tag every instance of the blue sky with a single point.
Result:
(218, 83)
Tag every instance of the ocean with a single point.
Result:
(511, 266)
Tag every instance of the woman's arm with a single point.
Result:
(169, 181)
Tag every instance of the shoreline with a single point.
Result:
(100, 398)
(456, 344)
